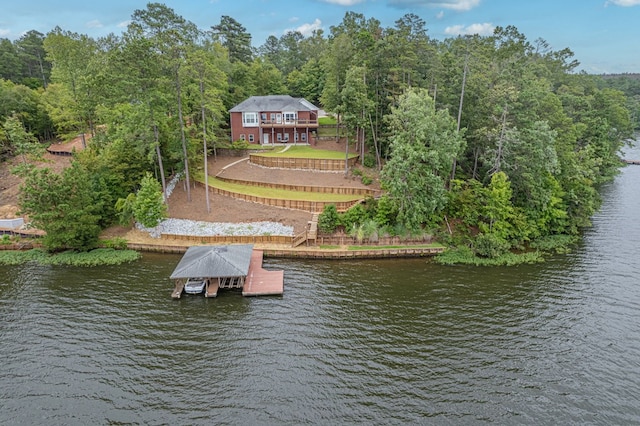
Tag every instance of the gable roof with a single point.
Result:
(274, 103)
(214, 261)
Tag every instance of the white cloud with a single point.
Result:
(623, 3)
(344, 2)
(123, 24)
(459, 5)
(294, 19)
(440, 15)
(94, 24)
(4, 32)
(306, 29)
(484, 29)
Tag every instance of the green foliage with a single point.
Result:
(329, 219)
(327, 121)
(386, 211)
(369, 160)
(367, 180)
(367, 230)
(5, 240)
(125, 209)
(490, 245)
(423, 147)
(63, 206)
(97, 257)
(117, 243)
(355, 216)
(465, 256)
(555, 243)
(149, 207)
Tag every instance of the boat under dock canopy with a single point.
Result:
(227, 266)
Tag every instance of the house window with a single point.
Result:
(286, 137)
(279, 137)
(242, 137)
(249, 119)
(290, 117)
(295, 136)
(251, 137)
(303, 137)
(278, 118)
(263, 117)
(273, 117)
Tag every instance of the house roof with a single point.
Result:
(214, 261)
(274, 103)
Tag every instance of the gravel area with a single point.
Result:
(204, 229)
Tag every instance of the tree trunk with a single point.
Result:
(204, 146)
(162, 178)
(183, 137)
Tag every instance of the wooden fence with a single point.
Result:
(345, 240)
(303, 188)
(322, 164)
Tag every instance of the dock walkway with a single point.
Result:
(259, 281)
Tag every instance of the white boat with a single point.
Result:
(195, 285)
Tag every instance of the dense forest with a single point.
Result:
(496, 142)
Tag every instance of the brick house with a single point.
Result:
(274, 119)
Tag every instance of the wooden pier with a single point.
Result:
(177, 292)
(259, 281)
(634, 162)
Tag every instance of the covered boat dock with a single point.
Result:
(227, 266)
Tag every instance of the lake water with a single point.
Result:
(350, 342)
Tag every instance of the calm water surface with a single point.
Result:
(367, 342)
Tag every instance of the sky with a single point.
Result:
(603, 34)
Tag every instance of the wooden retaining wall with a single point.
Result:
(352, 254)
(303, 188)
(230, 239)
(301, 163)
(309, 254)
(307, 206)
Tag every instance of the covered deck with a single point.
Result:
(227, 266)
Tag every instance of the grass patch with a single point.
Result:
(97, 257)
(278, 194)
(303, 151)
(393, 247)
(328, 247)
(327, 121)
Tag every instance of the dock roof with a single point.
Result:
(214, 261)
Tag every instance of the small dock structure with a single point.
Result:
(227, 266)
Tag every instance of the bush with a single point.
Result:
(490, 246)
(6, 240)
(117, 243)
(387, 211)
(329, 219)
(354, 216)
(366, 180)
(369, 160)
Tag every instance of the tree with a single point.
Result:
(355, 106)
(62, 205)
(30, 47)
(423, 145)
(232, 35)
(149, 208)
(172, 36)
(22, 142)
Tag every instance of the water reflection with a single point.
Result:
(392, 342)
